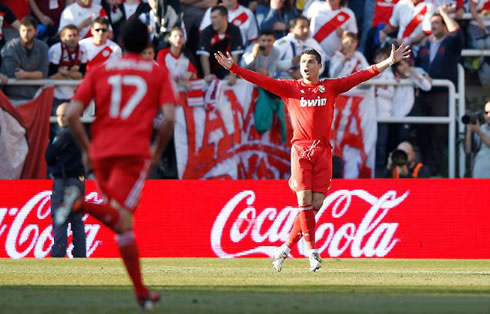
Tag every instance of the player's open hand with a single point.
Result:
(225, 61)
(403, 52)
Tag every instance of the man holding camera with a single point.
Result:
(477, 141)
(262, 57)
(403, 164)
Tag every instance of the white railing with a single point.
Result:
(450, 119)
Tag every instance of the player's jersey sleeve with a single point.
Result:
(281, 88)
(344, 84)
(167, 90)
(85, 91)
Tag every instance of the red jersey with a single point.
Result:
(311, 106)
(128, 93)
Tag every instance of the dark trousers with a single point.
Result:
(75, 220)
(433, 138)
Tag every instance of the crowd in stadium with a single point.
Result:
(63, 39)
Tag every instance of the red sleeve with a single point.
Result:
(161, 58)
(85, 91)
(281, 88)
(167, 89)
(343, 84)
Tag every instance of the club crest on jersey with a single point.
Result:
(302, 91)
(321, 89)
(318, 102)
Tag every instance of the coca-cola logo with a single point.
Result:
(30, 239)
(241, 225)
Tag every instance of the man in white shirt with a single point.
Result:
(81, 14)
(239, 16)
(99, 48)
(328, 21)
(412, 19)
(291, 46)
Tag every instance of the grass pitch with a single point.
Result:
(248, 286)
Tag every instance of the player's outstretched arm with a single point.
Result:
(344, 84)
(279, 87)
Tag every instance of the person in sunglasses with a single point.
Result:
(99, 47)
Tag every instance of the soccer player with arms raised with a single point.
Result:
(128, 93)
(310, 103)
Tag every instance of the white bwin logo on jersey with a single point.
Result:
(318, 102)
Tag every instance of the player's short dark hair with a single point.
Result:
(134, 36)
(293, 22)
(28, 21)
(69, 27)
(440, 16)
(222, 10)
(101, 20)
(313, 52)
(267, 32)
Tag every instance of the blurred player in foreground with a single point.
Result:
(310, 103)
(128, 92)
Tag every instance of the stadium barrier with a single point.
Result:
(450, 120)
(373, 218)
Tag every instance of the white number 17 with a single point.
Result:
(117, 82)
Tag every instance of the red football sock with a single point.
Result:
(295, 234)
(129, 253)
(307, 219)
(106, 214)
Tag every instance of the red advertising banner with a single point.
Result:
(190, 218)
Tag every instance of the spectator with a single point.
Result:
(479, 34)
(20, 8)
(121, 12)
(64, 157)
(329, 20)
(439, 57)
(194, 11)
(291, 46)
(262, 56)
(402, 163)
(9, 17)
(412, 20)
(177, 60)
(404, 96)
(99, 48)
(163, 16)
(239, 16)
(149, 52)
(477, 140)
(384, 103)
(219, 36)
(81, 14)
(347, 60)
(48, 14)
(25, 58)
(276, 16)
(376, 15)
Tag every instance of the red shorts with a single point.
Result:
(311, 166)
(122, 178)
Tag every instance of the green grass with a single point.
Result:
(248, 286)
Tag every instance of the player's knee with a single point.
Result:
(304, 198)
(125, 223)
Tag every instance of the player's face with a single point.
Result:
(301, 30)
(100, 32)
(217, 20)
(487, 112)
(27, 34)
(176, 39)
(349, 44)
(70, 38)
(309, 67)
